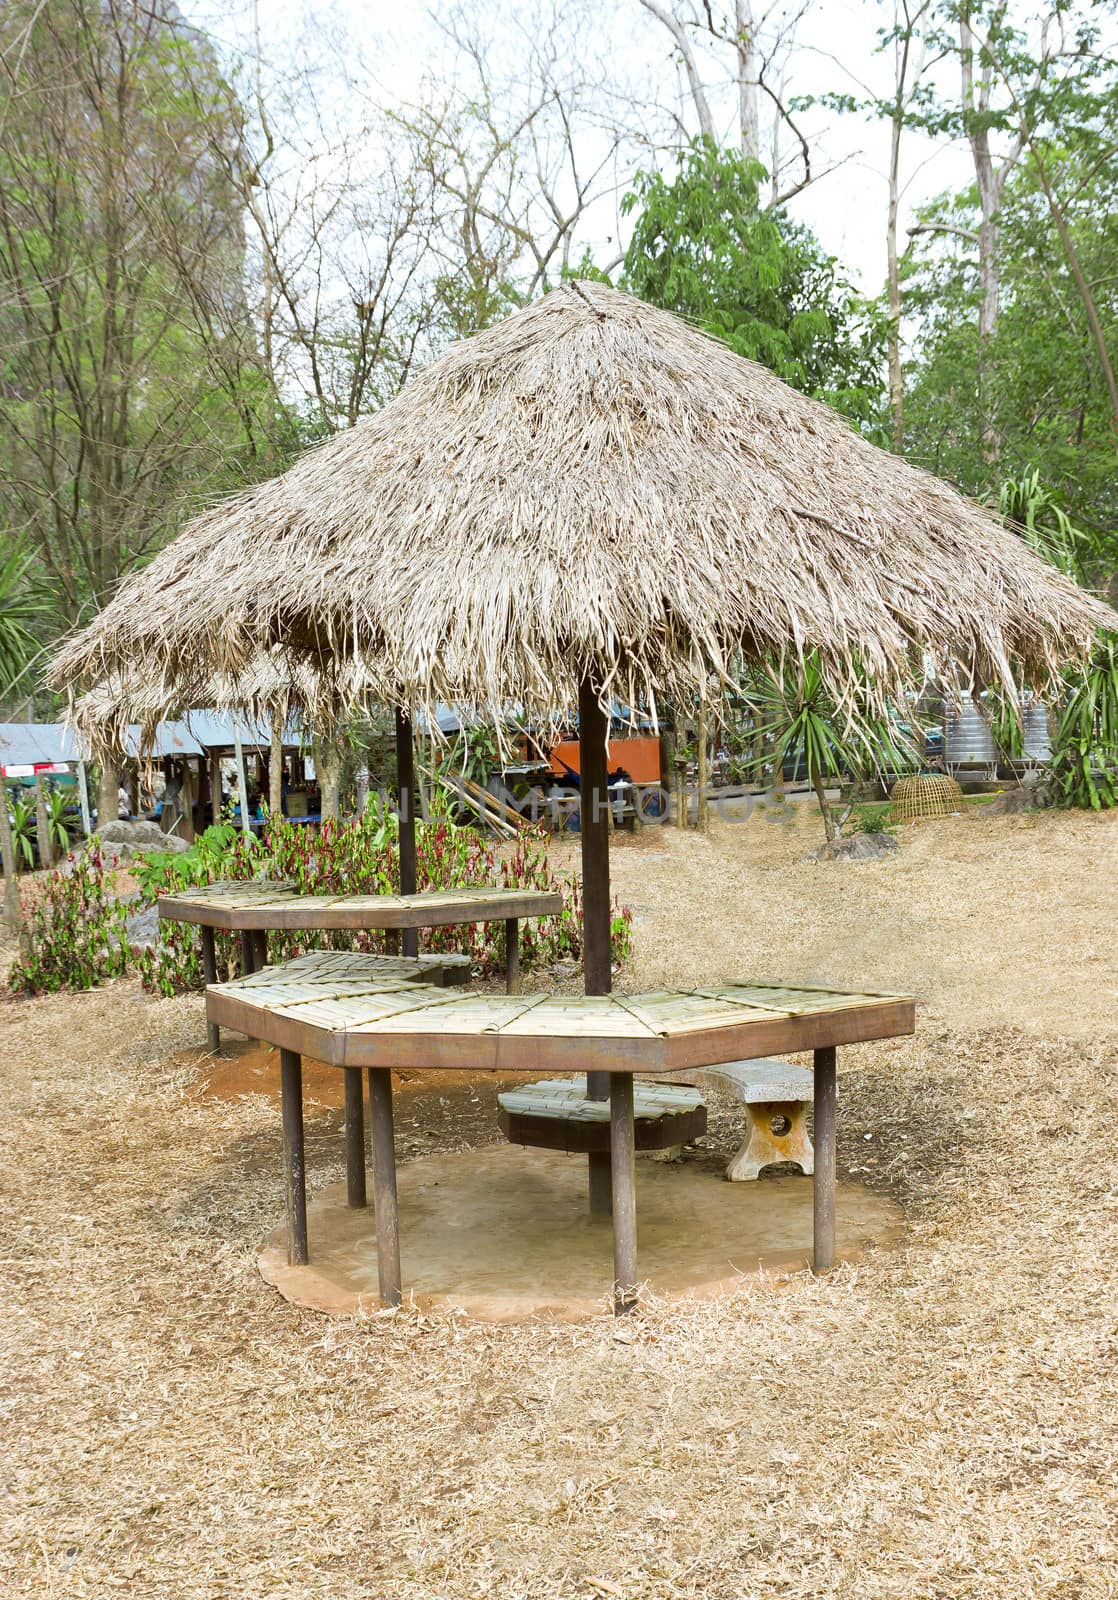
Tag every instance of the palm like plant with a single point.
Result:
(1085, 754)
(21, 609)
(797, 711)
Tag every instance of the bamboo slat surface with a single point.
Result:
(361, 1010)
(277, 904)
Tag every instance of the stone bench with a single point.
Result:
(776, 1096)
(555, 1114)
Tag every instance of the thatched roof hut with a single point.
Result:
(590, 488)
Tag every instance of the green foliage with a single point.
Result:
(59, 819)
(1084, 769)
(870, 819)
(797, 710)
(362, 857)
(75, 936)
(22, 607)
(22, 815)
(702, 246)
(1044, 524)
(1047, 397)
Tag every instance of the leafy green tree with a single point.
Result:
(115, 228)
(22, 607)
(703, 246)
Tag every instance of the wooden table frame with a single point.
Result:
(362, 1024)
(253, 908)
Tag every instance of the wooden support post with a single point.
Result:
(12, 911)
(83, 799)
(384, 1186)
(354, 1138)
(242, 783)
(248, 955)
(593, 729)
(512, 955)
(209, 968)
(405, 800)
(42, 825)
(294, 1157)
(702, 812)
(823, 1254)
(622, 1153)
(215, 787)
(259, 950)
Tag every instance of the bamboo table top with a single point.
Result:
(345, 1009)
(273, 903)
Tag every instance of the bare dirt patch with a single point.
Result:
(939, 1422)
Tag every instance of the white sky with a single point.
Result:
(397, 43)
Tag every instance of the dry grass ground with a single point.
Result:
(939, 1423)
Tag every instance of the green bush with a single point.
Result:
(75, 935)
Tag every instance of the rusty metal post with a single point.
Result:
(512, 955)
(209, 969)
(384, 1186)
(294, 1157)
(622, 1157)
(593, 730)
(405, 796)
(823, 1183)
(354, 1138)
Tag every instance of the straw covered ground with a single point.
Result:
(940, 1422)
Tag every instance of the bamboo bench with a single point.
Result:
(776, 1096)
(556, 1114)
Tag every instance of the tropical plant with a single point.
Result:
(22, 607)
(1043, 523)
(60, 819)
(76, 935)
(795, 707)
(22, 814)
(1084, 767)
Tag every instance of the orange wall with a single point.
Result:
(640, 757)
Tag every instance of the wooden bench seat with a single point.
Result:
(776, 1096)
(555, 1114)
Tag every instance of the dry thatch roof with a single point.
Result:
(591, 486)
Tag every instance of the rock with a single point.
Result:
(141, 930)
(859, 847)
(1011, 802)
(120, 841)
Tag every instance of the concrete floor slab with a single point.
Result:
(503, 1234)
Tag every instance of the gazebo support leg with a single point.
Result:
(209, 969)
(356, 1195)
(405, 796)
(593, 825)
(823, 1254)
(622, 1155)
(384, 1186)
(260, 950)
(512, 955)
(248, 955)
(294, 1158)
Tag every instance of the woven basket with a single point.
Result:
(932, 794)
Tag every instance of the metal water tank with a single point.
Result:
(967, 740)
(1037, 745)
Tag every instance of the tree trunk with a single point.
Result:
(275, 764)
(748, 119)
(12, 915)
(702, 811)
(896, 381)
(108, 803)
(824, 807)
(328, 767)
